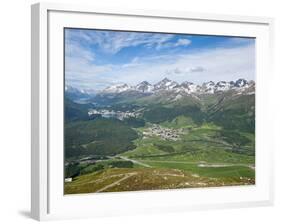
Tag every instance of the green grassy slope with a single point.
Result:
(98, 137)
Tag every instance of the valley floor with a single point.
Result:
(197, 157)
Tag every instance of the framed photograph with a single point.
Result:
(148, 111)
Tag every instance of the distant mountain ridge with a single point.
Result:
(164, 90)
(185, 87)
(77, 94)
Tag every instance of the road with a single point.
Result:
(135, 161)
(203, 164)
(128, 175)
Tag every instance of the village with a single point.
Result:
(120, 115)
(163, 133)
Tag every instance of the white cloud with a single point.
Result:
(81, 73)
(215, 64)
(183, 42)
(113, 42)
(75, 50)
(197, 69)
(179, 43)
(184, 70)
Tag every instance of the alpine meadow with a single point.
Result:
(155, 111)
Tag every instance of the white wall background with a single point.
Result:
(15, 110)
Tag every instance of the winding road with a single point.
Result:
(135, 161)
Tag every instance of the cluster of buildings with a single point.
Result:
(163, 133)
(120, 115)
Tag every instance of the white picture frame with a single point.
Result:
(47, 199)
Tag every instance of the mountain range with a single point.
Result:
(167, 85)
(184, 87)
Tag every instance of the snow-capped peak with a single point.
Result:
(74, 90)
(223, 86)
(190, 86)
(186, 87)
(208, 87)
(117, 88)
(165, 84)
(144, 87)
(241, 83)
(71, 89)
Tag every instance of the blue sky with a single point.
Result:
(95, 59)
